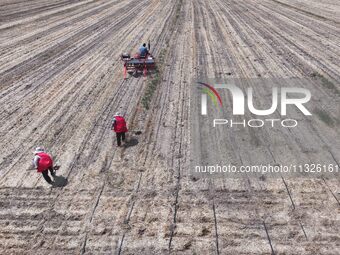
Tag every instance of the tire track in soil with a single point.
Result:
(143, 157)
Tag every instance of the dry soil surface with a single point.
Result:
(61, 81)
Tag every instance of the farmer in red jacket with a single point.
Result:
(119, 126)
(43, 163)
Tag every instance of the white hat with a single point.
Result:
(38, 150)
(117, 114)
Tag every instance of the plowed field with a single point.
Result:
(61, 81)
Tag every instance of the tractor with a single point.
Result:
(138, 64)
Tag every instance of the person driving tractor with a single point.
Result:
(143, 50)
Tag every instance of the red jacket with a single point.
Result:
(45, 162)
(120, 125)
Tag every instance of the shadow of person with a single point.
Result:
(131, 142)
(59, 181)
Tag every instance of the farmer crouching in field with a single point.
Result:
(43, 163)
(119, 126)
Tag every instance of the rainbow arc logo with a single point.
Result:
(212, 93)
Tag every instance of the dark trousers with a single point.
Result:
(46, 176)
(120, 137)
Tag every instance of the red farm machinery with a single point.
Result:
(138, 64)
